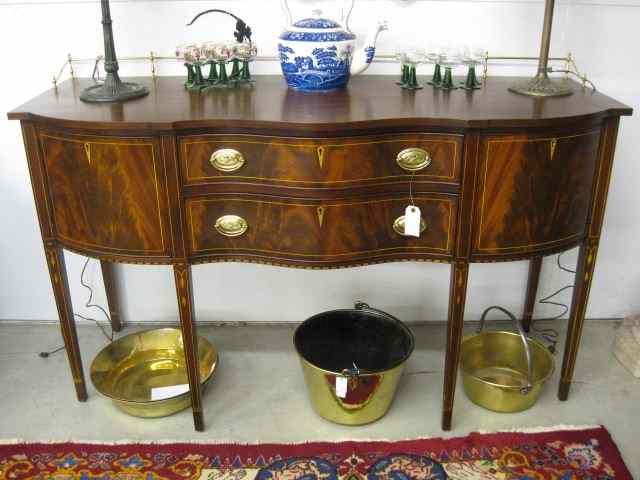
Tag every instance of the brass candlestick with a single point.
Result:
(541, 85)
(113, 89)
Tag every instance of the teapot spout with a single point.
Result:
(364, 56)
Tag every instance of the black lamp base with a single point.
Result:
(113, 92)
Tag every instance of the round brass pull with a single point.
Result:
(413, 159)
(226, 160)
(398, 225)
(231, 226)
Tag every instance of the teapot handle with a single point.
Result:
(347, 8)
(287, 12)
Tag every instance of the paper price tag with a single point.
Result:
(341, 387)
(412, 218)
(160, 393)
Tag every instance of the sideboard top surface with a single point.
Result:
(369, 102)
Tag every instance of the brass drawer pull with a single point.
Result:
(398, 225)
(413, 159)
(227, 160)
(231, 226)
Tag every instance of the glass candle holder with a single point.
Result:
(221, 53)
(199, 60)
(449, 59)
(401, 57)
(471, 58)
(235, 63)
(245, 53)
(207, 52)
(433, 56)
(186, 54)
(415, 57)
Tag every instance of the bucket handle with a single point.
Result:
(527, 349)
(353, 374)
(365, 306)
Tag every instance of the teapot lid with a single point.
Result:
(320, 23)
(317, 29)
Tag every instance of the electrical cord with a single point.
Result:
(49, 353)
(88, 304)
(550, 334)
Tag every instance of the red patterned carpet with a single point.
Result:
(570, 454)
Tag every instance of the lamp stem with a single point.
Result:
(541, 85)
(110, 59)
(545, 43)
(113, 89)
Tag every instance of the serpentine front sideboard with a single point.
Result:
(270, 175)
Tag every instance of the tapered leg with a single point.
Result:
(584, 276)
(60, 284)
(455, 323)
(111, 291)
(535, 265)
(184, 290)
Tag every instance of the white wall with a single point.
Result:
(35, 37)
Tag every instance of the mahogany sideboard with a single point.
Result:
(273, 176)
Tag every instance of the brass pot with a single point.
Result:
(135, 370)
(352, 361)
(504, 371)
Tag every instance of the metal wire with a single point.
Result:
(88, 304)
(550, 334)
(413, 203)
(579, 76)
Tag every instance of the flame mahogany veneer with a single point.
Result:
(510, 178)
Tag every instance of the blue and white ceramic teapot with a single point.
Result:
(318, 54)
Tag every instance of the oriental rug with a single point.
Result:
(570, 454)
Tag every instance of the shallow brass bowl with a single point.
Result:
(129, 368)
(494, 370)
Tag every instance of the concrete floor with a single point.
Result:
(258, 394)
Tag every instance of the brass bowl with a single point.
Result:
(130, 369)
(495, 371)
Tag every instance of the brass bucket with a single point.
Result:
(504, 371)
(352, 361)
(145, 373)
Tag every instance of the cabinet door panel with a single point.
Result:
(534, 192)
(107, 194)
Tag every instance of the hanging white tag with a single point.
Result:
(341, 386)
(412, 218)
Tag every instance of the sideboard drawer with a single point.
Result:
(326, 163)
(329, 230)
